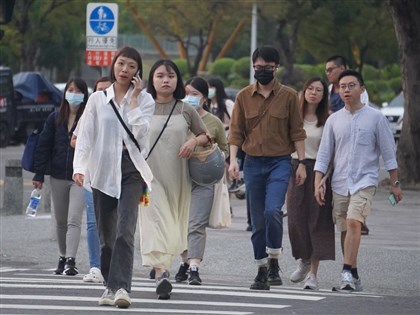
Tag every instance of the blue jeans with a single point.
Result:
(92, 234)
(266, 180)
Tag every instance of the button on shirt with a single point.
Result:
(357, 140)
(280, 126)
(101, 137)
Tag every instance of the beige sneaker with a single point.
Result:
(311, 283)
(301, 271)
(107, 298)
(122, 299)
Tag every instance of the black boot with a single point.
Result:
(261, 280)
(60, 267)
(273, 272)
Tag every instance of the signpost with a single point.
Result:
(101, 33)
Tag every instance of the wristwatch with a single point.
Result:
(302, 162)
(396, 184)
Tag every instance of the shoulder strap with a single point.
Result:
(123, 124)
(164, 126)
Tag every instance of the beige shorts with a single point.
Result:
(356, 207)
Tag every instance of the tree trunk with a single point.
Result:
(406, 18)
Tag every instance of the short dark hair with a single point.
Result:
(267, 53)
(338, 60)
(199, 84)
(128, 52)
(179, 92)
(101, 79)
(353, 73)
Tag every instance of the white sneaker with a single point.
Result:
(347, 282)
(311, 283)
(358, 285)
(122, 299)
(107, 298)
(94, 276)
(301, 271)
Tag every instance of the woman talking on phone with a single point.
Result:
(110, 156)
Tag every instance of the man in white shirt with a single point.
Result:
(353, 139)
(334, 66)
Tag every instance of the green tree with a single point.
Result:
(194, 25)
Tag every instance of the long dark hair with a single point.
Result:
(179, 92)
(64, 112)
(322, 109)
(200, 85)
(221, 98)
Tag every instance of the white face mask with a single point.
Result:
(212, 92)
(193, 100)
(74, 99)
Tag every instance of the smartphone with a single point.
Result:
(392, 200)
(138, 75)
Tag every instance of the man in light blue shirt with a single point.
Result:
(353, 139)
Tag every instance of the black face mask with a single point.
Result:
(263, 77)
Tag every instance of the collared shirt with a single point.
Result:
(101, 137)
(336, 103)
(279, 127)
(356, 141)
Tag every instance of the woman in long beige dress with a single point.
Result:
(164, 223)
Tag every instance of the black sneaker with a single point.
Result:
(261, 280)
(163, 287)
(60, 267)
(70, 267)
(194, 278)
(182, 274)
(152, 273)
(273, 272)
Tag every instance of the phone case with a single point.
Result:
(392, 200)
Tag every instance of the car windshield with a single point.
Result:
(398, 101)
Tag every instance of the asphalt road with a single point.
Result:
(388, 264)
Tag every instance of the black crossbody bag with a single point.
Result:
(130, 134)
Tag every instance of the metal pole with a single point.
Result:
(253, 39)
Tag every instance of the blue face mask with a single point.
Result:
(193, 100)
(74, 99)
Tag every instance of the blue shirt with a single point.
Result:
(356, 141)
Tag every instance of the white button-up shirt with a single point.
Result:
(101, 135)
(356, 141)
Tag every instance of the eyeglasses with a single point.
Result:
(265, 68)
(314, 89)
(329, 70)
(350, 86)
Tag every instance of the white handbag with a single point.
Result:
(220, 216)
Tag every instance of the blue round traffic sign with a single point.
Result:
(101, 20)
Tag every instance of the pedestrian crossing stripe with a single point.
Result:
(185, 299)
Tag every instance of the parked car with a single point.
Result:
(394, 112)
